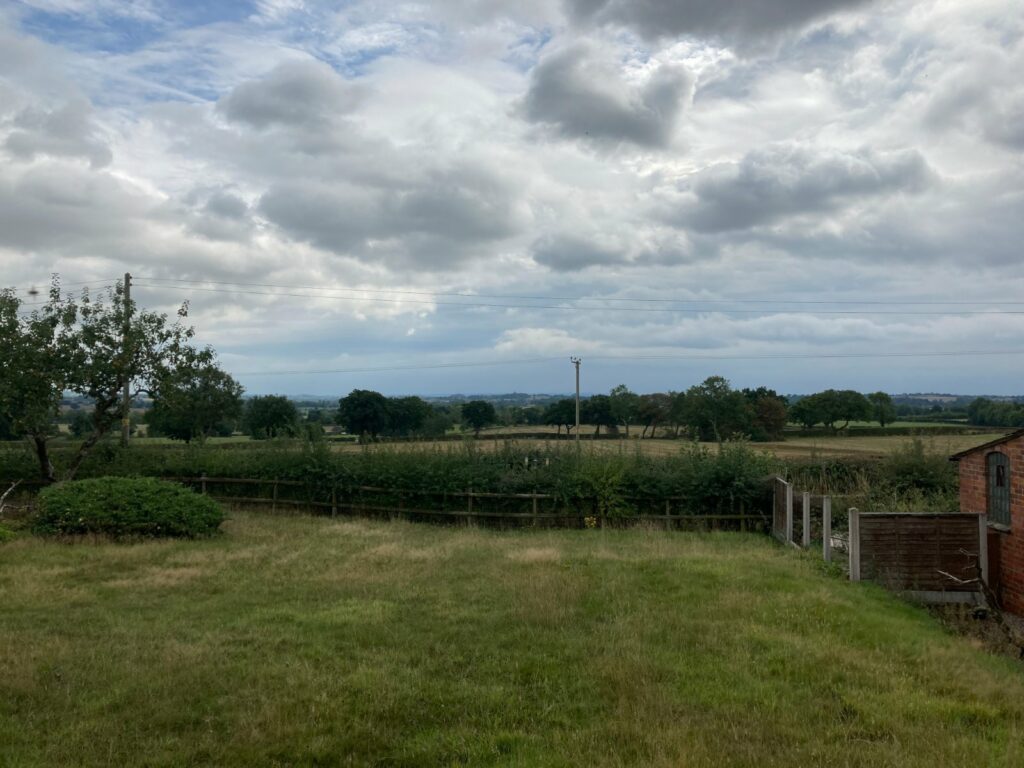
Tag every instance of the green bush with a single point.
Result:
(125, 506)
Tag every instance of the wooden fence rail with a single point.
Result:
(581, 512)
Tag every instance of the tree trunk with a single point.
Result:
(83, 451)
(42, 449)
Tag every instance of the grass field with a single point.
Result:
(793, 448)
(309, 641)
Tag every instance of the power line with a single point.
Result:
(878, 302)
(795, 356)
(687, 310)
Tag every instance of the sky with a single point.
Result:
(457, 196)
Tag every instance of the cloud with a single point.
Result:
(744, 20)
(784, 180)
(66, 131)
(296, 93)
(430, 221)
(580, 92)
(567, 253)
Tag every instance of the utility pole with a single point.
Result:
(576, 362)
(126, 394)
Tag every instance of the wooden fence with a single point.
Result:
(930, 557)
(504, 509)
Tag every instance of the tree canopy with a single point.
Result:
(478, 414)
(270, 416)
(91, 346)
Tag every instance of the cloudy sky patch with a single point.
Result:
(670, 189)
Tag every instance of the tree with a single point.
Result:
(478, 414)
(271, 416)
(407, 415)
(562, 413)
(195, 398)
(768, 414)
(832, 406)
(80, 424)
(652, 410)
(624, 405)
(714, 410)
(882, 408)
(90, 347)
(597, 410)
(363, 412)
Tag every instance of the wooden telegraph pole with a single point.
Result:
(126, 393)
(576, 362)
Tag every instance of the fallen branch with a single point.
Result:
(991, 601)
(7, 493)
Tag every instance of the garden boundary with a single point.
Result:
(929, 557)
(502, 509)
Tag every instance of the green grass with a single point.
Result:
(309, 641)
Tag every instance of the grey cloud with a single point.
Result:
(67, 131)
(744, 20)
(771, 184)
(581, 93)
(1005, 124)
(59, 205)
(296, 93)
(432, 221)
(567, 253)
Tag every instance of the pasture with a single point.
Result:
(318, 641)
(797, 448)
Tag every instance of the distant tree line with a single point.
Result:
(995, 413)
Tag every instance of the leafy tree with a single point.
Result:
(363, 412)
(91, 347)
(991, 413)
(407, 415)
(195, 398)
(562, 413)
(715, 411)
(768, 414)
(882, 408)
(832, 406)
(596, 410)
(270, 416)
(624, 405)
(478, 414)
(80, 424)
(652, 410)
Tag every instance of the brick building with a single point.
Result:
(992, 483)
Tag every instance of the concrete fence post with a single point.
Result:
(854, 544)
(807, 519)
(826, 529)
(789, 513)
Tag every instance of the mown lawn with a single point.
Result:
(309, 641)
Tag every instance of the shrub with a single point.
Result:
(125, 506)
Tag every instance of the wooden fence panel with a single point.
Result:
(910, 552)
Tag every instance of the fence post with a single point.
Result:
(534, 508)
(469, 505)
(743, 517)
(202, 484)
(983, 546)
(334, 501)
(826, 529)
(807, 519)
(789, 513)
(853, 547)
(273, 501)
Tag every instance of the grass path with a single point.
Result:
(309, 641)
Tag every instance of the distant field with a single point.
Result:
(797, 447)
(302, 641)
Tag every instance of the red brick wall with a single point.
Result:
(973, 498)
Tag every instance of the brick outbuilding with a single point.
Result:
(992, 483)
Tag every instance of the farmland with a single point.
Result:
(312, 641)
